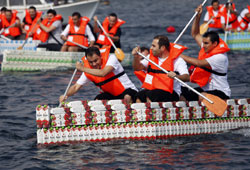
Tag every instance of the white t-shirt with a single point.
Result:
(112, 61)
(218, 63)
(180, 66)
(206, 18)
(242, 14)
(88, 32)
(56, 33)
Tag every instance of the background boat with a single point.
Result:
(85, 7)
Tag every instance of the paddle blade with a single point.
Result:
(119, 54)
(218, 107)
(203, 28)
(20, 48)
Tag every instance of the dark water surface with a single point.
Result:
(21, 92)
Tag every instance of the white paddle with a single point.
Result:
(184, 29)
(118, 52)
(67, 89)
(228, 13)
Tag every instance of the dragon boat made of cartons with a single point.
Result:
(238, 40)
(81, 121)
(23, 60)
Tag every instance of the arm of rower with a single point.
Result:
(95, 72)
(183, 77)
(72, 90)
(96, 28)
(47, 29)
(195, 32)
(195, 61)
(137, 65)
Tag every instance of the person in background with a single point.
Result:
(77, 31)
(111, 25)
(211, 66)
(2, 12)
(159, 86)
(11, 25)
(30, 21)
(106, 72)
(244, 19)
(49, 31)
(142, 74)
(215, 14)
(232, 20)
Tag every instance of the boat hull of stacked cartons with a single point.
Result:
(238, 41)
(99, 121)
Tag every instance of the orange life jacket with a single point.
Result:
(102, 39)
(216, 19)
(14, 31)
(30, 24)
(79, 37)
(110, 83)
(243, 24)
(156, 78)
(232, 19)
(140, 75)
(43, 35)
(199, 75)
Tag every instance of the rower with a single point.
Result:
(49, 31)
(142, 74)
(211, 66)
(244, 19)
(77, 31)
(232, 21)
(111, 25)
(106, 72)
(215, 14)
(159, 86)
(11, 25)
(30, 21)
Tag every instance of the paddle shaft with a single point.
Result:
(228, 13)
(67, 89)
(78, 44)
(176, 78)
(100, 25)
(31, 32)
(182, 32)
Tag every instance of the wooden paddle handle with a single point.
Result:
(179, 80)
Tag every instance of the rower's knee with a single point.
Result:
(128, 99)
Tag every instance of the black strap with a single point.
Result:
(232, 21)
(158, 71)
(214, 72)
(58, 42)
(110, 79)
(244, 19)
(78, 34)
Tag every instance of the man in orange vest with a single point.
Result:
(49, 31)
(244, 19)
(111, 25)
(159, 86)
(30, 21)
(2, 12)
(11, 25)
(211, 66)
(232, 20)
(142, 74)
(215, 16)
(77, 31)
(106, 72)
